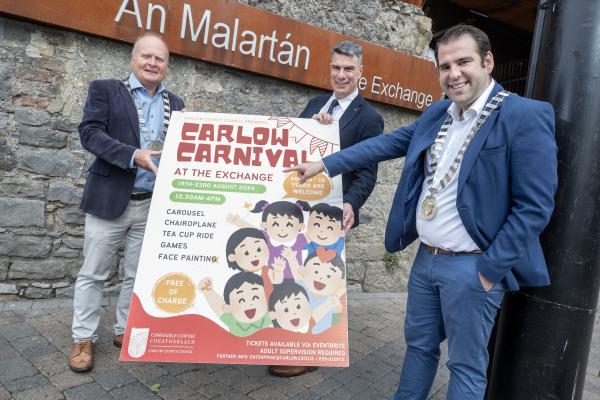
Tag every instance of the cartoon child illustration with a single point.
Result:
(325, 228)
(244, 308)
(289, 307)
(282, 224)
(323, 277)
(247, 251)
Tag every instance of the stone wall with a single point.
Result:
(44, 74)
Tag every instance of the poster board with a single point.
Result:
(240, 264)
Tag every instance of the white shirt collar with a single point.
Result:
(345, 102)
(475, 108)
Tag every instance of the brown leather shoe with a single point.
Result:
(118, 340)
(81, 358)
(287, 371)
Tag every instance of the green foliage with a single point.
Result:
(391, 261)
(155, 388)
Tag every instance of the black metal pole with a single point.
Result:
(544, 334)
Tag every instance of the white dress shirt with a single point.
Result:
(446, 229)
(344, 103)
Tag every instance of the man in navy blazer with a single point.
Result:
(357, 121)
(477, 189)
(123, 125)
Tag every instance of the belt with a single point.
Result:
(140, 196)
(437, 250)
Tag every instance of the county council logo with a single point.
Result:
(138, 341)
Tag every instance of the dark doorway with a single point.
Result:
(508, 23)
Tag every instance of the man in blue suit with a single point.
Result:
(124, 124)
(477, 189)
(358, 121)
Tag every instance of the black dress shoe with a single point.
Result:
(287, 371)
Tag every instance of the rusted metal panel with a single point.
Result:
(226, 32)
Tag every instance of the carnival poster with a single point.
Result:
(240, 263)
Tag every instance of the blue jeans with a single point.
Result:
(447, 300)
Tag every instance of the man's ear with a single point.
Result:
(226, 308)
(488, 62)
(231, 257)
(302, 226)
(272, 316)
(263, 225)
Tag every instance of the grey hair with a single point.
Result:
(349, 48)
(148, 34)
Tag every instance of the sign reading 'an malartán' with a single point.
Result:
(229, 33)
(240, 264)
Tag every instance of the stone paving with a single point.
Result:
(35, 339)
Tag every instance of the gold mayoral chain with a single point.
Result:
(154, 144)
(429, 206)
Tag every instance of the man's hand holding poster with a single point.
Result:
(241, 264)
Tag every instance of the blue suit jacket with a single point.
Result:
(360, 121)
(506, 184)
(110, 130)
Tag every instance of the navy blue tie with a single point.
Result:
(333, 105)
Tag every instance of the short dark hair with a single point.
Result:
(335, 261)
(283, 208)
(328, 211)
(282, 291)
(285, 290)
(348, 48)
(238, 237)
(237, 280)
(455, 32)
